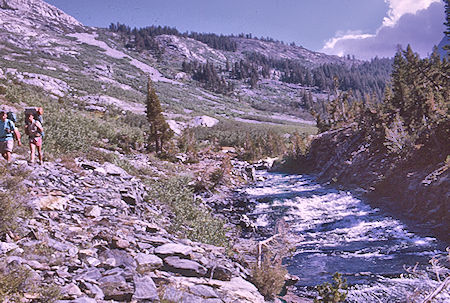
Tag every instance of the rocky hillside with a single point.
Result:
(91, 236)
(43, 46)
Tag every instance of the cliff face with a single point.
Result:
(415, 188)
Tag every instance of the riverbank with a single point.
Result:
(97, 231)
(415, 188)
(336, 231)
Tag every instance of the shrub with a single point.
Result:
(332, 293)
(11, 201)
(269, 277)
(15, 281)
(190, 218)
(253, 141)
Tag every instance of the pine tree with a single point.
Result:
(160, 131)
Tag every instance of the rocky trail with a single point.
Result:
(93, 234)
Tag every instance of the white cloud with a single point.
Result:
(398, 8)
(415, 22)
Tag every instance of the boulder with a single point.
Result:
(50, 203)
(173, 249)
(203, 291)
(184, 267)
(145, 289)
(92, 211)
(146, 263)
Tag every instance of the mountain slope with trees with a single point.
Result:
(397, 151)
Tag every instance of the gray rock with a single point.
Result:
(114, 170)
(121, 257)
(92, 211)
(146, 263)
(7, 247)
(173, 249)
(184, 267)
(71, 290)
(90, 274)
(203, 291)
(172, 295)
(145, 289)
(189, 298)
(84, 300)
(119, 291)
(156, 240)
(92, 290)
(116, 277)
(120, 243)
(221, 273)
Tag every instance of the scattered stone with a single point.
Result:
(7, 247)
(120, 243)
(72, 290)
(119, 291)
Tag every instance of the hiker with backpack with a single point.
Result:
(8, 132)
(34, 130)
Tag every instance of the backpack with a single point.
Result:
(11, 116)
(37, 113)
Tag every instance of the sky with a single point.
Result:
(364, 28)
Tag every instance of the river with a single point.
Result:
(339, 232)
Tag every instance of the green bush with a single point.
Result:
(332, 293)
(269, 277)
(16, 281)
(253, 141)
(190, 218)
(12, 206)
(71, 130)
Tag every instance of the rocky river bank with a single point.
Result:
(415, 188)
(93, 234)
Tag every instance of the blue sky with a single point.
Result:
(364, 28)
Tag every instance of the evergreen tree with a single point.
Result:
(160, 131)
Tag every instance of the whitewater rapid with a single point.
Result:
(339, 232)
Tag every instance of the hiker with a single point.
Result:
(8, 132)
(34, 130)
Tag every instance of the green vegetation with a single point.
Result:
(12, 208)
(332, 293)
(160, 131)
(269, 277)
(190, 218)
(414, 114)
(253, 141)
(72, 130)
